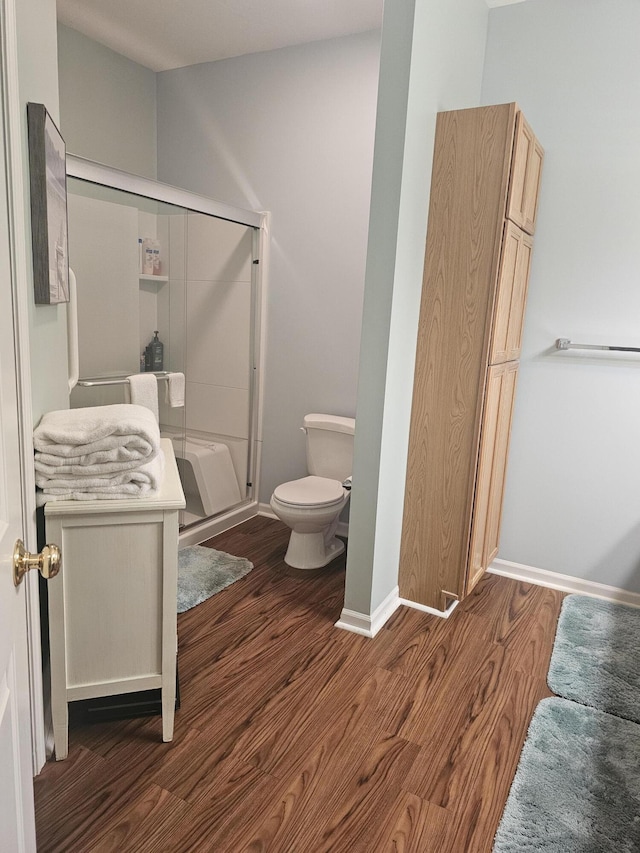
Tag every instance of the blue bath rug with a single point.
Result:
(203, 571)
(595, 655)
(577, 786)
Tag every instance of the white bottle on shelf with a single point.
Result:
(151, 261)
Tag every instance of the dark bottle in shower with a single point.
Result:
(156, 349)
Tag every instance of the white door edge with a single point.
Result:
(20, 251)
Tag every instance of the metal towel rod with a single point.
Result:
(565, 343)
(117, 380)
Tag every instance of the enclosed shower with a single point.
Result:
(156, 265)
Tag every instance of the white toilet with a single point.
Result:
(312, 505)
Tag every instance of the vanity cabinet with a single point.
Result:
(112, 608)
(486, 173)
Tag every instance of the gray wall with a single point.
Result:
(37, 67)
(572, 500)
(431, 61)
(290, 131)
(107, 105)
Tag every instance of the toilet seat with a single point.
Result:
(310, 492)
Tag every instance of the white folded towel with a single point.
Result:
(147, 473)
(79, 469)
(143, 391)
(143, 482)
(174, 390)
(96, 435)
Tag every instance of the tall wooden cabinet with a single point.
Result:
(486, 174)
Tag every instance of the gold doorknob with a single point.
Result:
(47, 561)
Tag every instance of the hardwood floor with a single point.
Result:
(296, 737)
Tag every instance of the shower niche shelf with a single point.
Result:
(145, 277)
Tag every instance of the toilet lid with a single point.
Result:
(310, 491)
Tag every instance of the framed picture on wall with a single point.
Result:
(48, 185)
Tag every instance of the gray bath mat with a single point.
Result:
(203, 571)
(595, 655)
(577, 786)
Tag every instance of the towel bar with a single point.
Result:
(117, 380)
(565, 343)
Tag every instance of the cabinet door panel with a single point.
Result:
(501, 452)
(494, 445)
(519, 297)
(489, 432)
(526, 169)
(532, 186)
(513, 279)
(506, 278)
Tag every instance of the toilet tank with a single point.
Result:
(329, 446)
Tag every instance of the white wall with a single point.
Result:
(430, 62)
(107, 105)
(290, 131)
(572, 499)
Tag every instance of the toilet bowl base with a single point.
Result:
(308, 550)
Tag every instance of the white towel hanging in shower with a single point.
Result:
(174, 390)
(143, 391)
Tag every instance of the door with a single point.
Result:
(17, 824)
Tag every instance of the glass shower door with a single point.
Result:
(218, 356)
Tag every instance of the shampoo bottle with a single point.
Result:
(157, 353)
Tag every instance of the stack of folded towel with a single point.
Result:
(98, 453)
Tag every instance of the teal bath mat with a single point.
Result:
(577, 787)
(203, 571)
(595, 656)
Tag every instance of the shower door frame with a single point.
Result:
(259, 221)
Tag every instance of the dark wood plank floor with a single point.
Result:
(296, 737)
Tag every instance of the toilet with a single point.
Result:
(312, 505)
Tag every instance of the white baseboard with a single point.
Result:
(265, 509)
(443, 614)
(213, 526)
(368, 626)
(564, 583)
